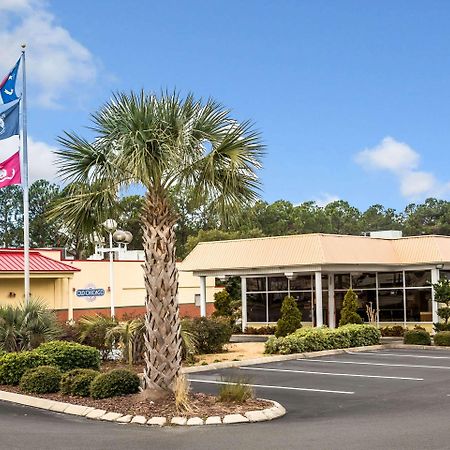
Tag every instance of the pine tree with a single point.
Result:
(349, 309)
(291, 317)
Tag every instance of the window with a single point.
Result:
(418, 305)
(364, 281)
(418, 278)
(444, 274)
(301, 283)
(278, 284)
(275, 300)
(197, 299)
(342, 281)
(304, 304)
(256, 284)
(256, 308)
(390, 279)
(391, 305)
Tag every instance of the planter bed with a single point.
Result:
(202, 405)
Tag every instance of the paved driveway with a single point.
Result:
(392, 399)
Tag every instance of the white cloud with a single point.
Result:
(41, 159)
(402, 161)
(56, 62)
(324, 199)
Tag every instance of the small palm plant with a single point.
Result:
(164, 144)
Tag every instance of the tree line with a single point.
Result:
(195, 225)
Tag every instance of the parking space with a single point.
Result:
(347, 384)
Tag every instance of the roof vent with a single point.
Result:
(387, 234)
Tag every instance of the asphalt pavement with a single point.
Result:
(391, 399)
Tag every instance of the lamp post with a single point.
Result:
(120, 237)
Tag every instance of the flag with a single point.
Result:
(10, 171)
(9, 119)
(8, 85)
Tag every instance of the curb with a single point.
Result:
(262, 415)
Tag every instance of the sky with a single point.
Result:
(352, 97)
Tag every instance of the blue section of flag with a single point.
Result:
(8, 85)
(9, 119)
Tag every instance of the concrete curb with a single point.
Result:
(271, 413)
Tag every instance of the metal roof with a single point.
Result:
(316, 249)
(13, 261)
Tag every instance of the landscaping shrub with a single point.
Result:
(417, 337)
(41, 380)
(78, 382)
(392, 331)
(266, 329)
(14, 365)
(70, 355)
(316, 339)
(442, 338)
(349, 309)
(235, 391)
(291, 317)
(113, 383)
(210, 334)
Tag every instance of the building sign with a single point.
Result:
(90, 292)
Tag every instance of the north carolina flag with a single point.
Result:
(8, 85)
(10, 171)
(9, 119)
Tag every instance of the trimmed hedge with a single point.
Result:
(70, 355)
(442, 338)
(78, 382)
(113, 383)
(14, 365)
(417, 337)
(316, 339)
(41, 380)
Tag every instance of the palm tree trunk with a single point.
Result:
(162, 323)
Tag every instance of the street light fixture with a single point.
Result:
(120, 237)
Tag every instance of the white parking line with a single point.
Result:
(398, 354)
(333, 374)
(274, 387)
(374, 364)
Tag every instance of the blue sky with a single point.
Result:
(351, 97)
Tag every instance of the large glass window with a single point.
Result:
(444, 274)
(390, 279)
(304, 304)
(364, 280)
(366, 298)
(391, 305)
(256, 307)
(418, 278)
(275, 300)
(278, 284)
(256, 284)
(301, 283)
(342, 281)
(418, 305)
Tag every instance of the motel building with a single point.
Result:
(391, 273)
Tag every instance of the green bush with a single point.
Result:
(78, 382)
(266, 329)
(349, 309)
(14, 365)
(41, 380)
(70, 355)
(441, 326)
(417, 337)
(291, 317)
(113, 383)
(210, 334)
(392, 331)
(317, 339)
(442, 338)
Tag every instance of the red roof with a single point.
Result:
(12, 261)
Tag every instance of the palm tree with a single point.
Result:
(163, 143)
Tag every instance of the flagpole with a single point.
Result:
(26, 224)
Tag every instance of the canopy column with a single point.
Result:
(202, 296)
(434, 305)
(331, 302)
(319, 307)
(244, 303)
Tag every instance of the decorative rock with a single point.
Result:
(178, 421)
(111, 416)
(124, 419)
(161, 421)
(235, 418)
(141, 420)
(255, 416)
(213, 420)
(96, 414)
(194, 421)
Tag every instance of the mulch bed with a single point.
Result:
(202, 405)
